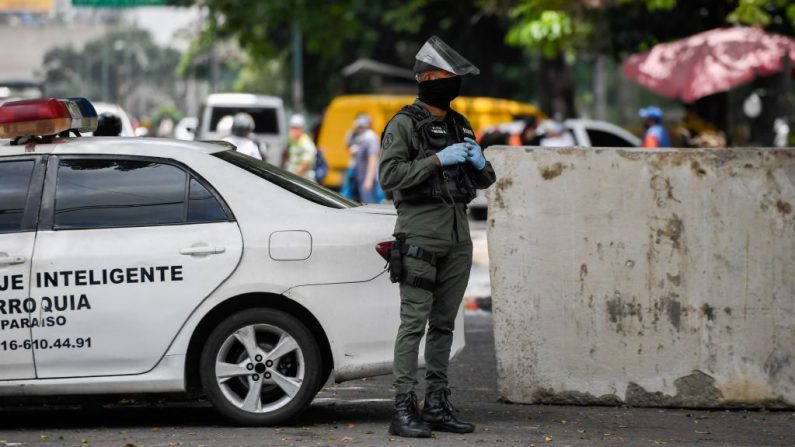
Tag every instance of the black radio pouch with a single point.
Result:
(396, 271)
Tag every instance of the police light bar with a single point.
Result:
(85, 119)
(46, 117)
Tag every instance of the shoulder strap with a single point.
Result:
(414, 111)
(459, 119)
(401, 112)
(419, 115)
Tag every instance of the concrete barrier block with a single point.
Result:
(651, 278)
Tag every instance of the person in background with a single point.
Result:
(301, 151)
(555, 135)
(242, 126)
(496, 137)
(108, 125)
(364, 146)
(166, 127)
(224, 126)
(529, 135)
(350, 188)
(656, 135)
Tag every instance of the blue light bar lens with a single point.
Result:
(84, 118)
(86, 108)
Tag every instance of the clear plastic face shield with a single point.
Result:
(435, 55)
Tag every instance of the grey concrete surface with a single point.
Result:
(653, 278)
(357, 414)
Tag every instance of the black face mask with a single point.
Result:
(440, 92)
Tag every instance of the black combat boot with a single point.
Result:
(406, 420)
(438, 413)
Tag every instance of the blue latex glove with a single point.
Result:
(453, 154)
(475, 154)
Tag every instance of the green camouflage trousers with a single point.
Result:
(437, 309)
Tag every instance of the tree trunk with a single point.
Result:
(600, 88)
(556, 89)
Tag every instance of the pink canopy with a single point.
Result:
(710, 62)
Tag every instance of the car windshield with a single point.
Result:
(265, 118)
(287, 180)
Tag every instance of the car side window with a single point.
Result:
(202, 205)
(600, 138)
(14, 185)
(98, 193)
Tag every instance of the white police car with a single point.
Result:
(153, 265)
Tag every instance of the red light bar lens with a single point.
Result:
(34, 117)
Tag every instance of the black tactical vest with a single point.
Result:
(451, 183)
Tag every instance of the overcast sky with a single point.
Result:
(164, 21)
(161, 21)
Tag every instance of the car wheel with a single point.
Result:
(260, 367)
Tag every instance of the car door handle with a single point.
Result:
(11, 260)
(202, 250)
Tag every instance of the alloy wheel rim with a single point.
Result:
(260, 368)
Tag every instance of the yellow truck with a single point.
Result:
(340, 114)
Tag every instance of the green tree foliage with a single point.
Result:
(268, 77)
(559, 30)
(550, 32)
(338, 33)
(544, 36)
(549, 26)
(128, 58)
(763, 13)
(623, 26)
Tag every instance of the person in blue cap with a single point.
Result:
(656, 135)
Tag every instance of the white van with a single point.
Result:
(270, 127)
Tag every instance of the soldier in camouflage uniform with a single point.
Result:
(431, 167)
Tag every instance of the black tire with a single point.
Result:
(265, 324)
(323, 380)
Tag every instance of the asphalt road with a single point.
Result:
(357, 414)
